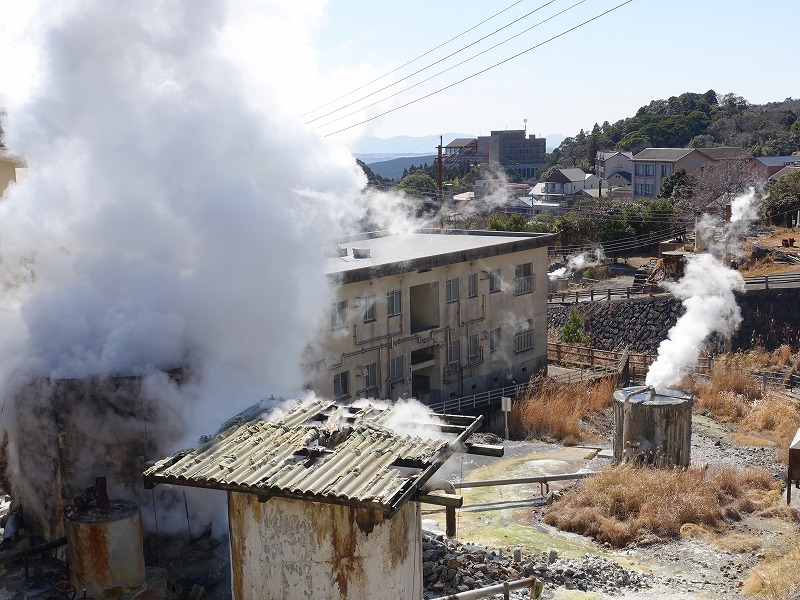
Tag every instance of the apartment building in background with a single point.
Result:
(434, 314)
(652, 165)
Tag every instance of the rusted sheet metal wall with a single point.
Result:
(292, 549)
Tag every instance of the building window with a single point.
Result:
(523, 279)
(649, 170)
(494, 339)
(495, 281)
(639, 189)
(472, 285)
(394, 304)
(454, 351)
(370, 373)
(451, 290)
(649, 189)
(639, 170)
(341, 389)
(396, 369)
(474, 347)
(666, 170)
(523, 339)
(339, 314)
(369, 309)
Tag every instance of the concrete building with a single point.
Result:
(606, 164)
(11, 168)
(773, 164)
(564, 185)
(511, 148)
(434, 314)
(652, 165)
(325, 502)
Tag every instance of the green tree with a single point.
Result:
(422, 188)
(784, 197)
(573, 331)
(677, 185)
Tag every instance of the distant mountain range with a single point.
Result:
(393, 169)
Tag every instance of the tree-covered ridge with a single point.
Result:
(690, 120)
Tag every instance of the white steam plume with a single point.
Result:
(575, 262)
(707, 291)
(707, 294)
(164, 222)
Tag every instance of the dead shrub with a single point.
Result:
(777, 416)
(620, 505)
(776, 579)
(554, 411)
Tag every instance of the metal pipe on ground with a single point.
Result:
(532, 583)
(521, 480)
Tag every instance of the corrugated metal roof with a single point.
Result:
(321, 451)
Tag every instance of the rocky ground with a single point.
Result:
(572, 567)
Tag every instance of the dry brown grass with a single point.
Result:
(776, 579)
(729, 393)
(623, 504)
(776, 416)
(554, 412)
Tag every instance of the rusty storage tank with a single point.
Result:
(654, 426)
(104, 548)
(674, 262)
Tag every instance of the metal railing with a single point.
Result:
(523, 285)
(523, 341)
(764, 281)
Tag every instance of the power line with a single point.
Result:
(481, 71)
(413, 60)
(418, 71)
(442, 72)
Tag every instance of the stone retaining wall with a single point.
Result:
(770, 318)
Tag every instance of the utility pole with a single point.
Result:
(441, 191)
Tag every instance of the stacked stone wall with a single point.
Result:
(770, 318)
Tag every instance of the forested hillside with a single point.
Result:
(695, 120)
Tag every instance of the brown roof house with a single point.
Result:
(324, 503)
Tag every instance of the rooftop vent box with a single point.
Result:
(360, 252)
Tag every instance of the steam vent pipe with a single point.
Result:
(105, 548)
(653, 426)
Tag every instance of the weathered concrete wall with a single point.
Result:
(292, 549)
(769, 318)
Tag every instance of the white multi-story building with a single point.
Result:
(433, 314)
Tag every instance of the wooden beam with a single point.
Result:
(440, 498)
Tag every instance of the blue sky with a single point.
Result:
(604, 70)
(295, 56)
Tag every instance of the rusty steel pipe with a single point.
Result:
(521, 480)
(532, 583)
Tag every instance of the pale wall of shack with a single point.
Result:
(292, 549)
(426, 352)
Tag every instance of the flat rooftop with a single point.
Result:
(380, 254)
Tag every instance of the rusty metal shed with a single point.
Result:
(322, 451)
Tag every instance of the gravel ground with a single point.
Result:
(690, 568)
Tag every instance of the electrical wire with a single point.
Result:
(442, 72)
(425, 68)
(413, 60)
(563, 33)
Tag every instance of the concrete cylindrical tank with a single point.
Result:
(104, 548)
(653, 426)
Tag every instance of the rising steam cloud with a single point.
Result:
(707, 292)
(164, 222)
